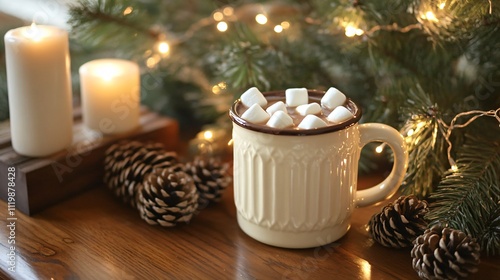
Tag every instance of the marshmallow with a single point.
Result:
(278, 106)
(255, 114)
(280, 119)
(296, 96)
(253, 96)
(311, 121)
(333, 98)
(309, 109)
(339, 115)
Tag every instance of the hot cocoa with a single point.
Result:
(308, 110)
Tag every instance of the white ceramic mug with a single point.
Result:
(298, 188)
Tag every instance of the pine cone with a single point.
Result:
(400, 222)
(167, 197)
(211, 178)
(126, 163)
(444, 253)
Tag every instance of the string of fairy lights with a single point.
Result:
(453, 125)
(222, 18)
(430, 13)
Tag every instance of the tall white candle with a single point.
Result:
(39, 86)
(110, 93)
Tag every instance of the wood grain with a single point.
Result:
(94, 236)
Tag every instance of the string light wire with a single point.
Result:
(449, 128)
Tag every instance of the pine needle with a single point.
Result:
(469, 199)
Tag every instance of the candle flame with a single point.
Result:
(33, 32)
(107, 72)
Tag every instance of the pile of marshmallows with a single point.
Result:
(276, 115)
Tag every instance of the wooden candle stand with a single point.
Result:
(42, 182)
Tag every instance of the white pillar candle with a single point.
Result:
(110, 92)
(39, 86)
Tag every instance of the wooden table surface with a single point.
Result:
(94, 236)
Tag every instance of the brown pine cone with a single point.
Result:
(126, 164)
(211, 178)
(444, 253)
(400, 222)
(167, 197)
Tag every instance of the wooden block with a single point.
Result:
(42, 182)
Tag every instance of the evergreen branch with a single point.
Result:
(469, 198)
(425, 156)
(96, 14)
(242, 66)
(107, 24)
(425, 144)
(490, 236)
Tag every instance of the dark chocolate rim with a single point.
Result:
(314, 95)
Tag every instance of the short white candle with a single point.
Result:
(39, 86)
(110, 93)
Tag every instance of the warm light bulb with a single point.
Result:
(128, 11)
(163, 47)
(380, 148)
(429, 15)
(421, 124)
(218, 16)
(216, 89)
(350, 31)
(208, 135)
(442, 5)
(228, 11)
(222, 26)
(278, 29)
(454, 168)
(261, 19)
(152, 61)
(222, 85)
(285, 24)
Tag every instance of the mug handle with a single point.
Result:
(372, 132)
